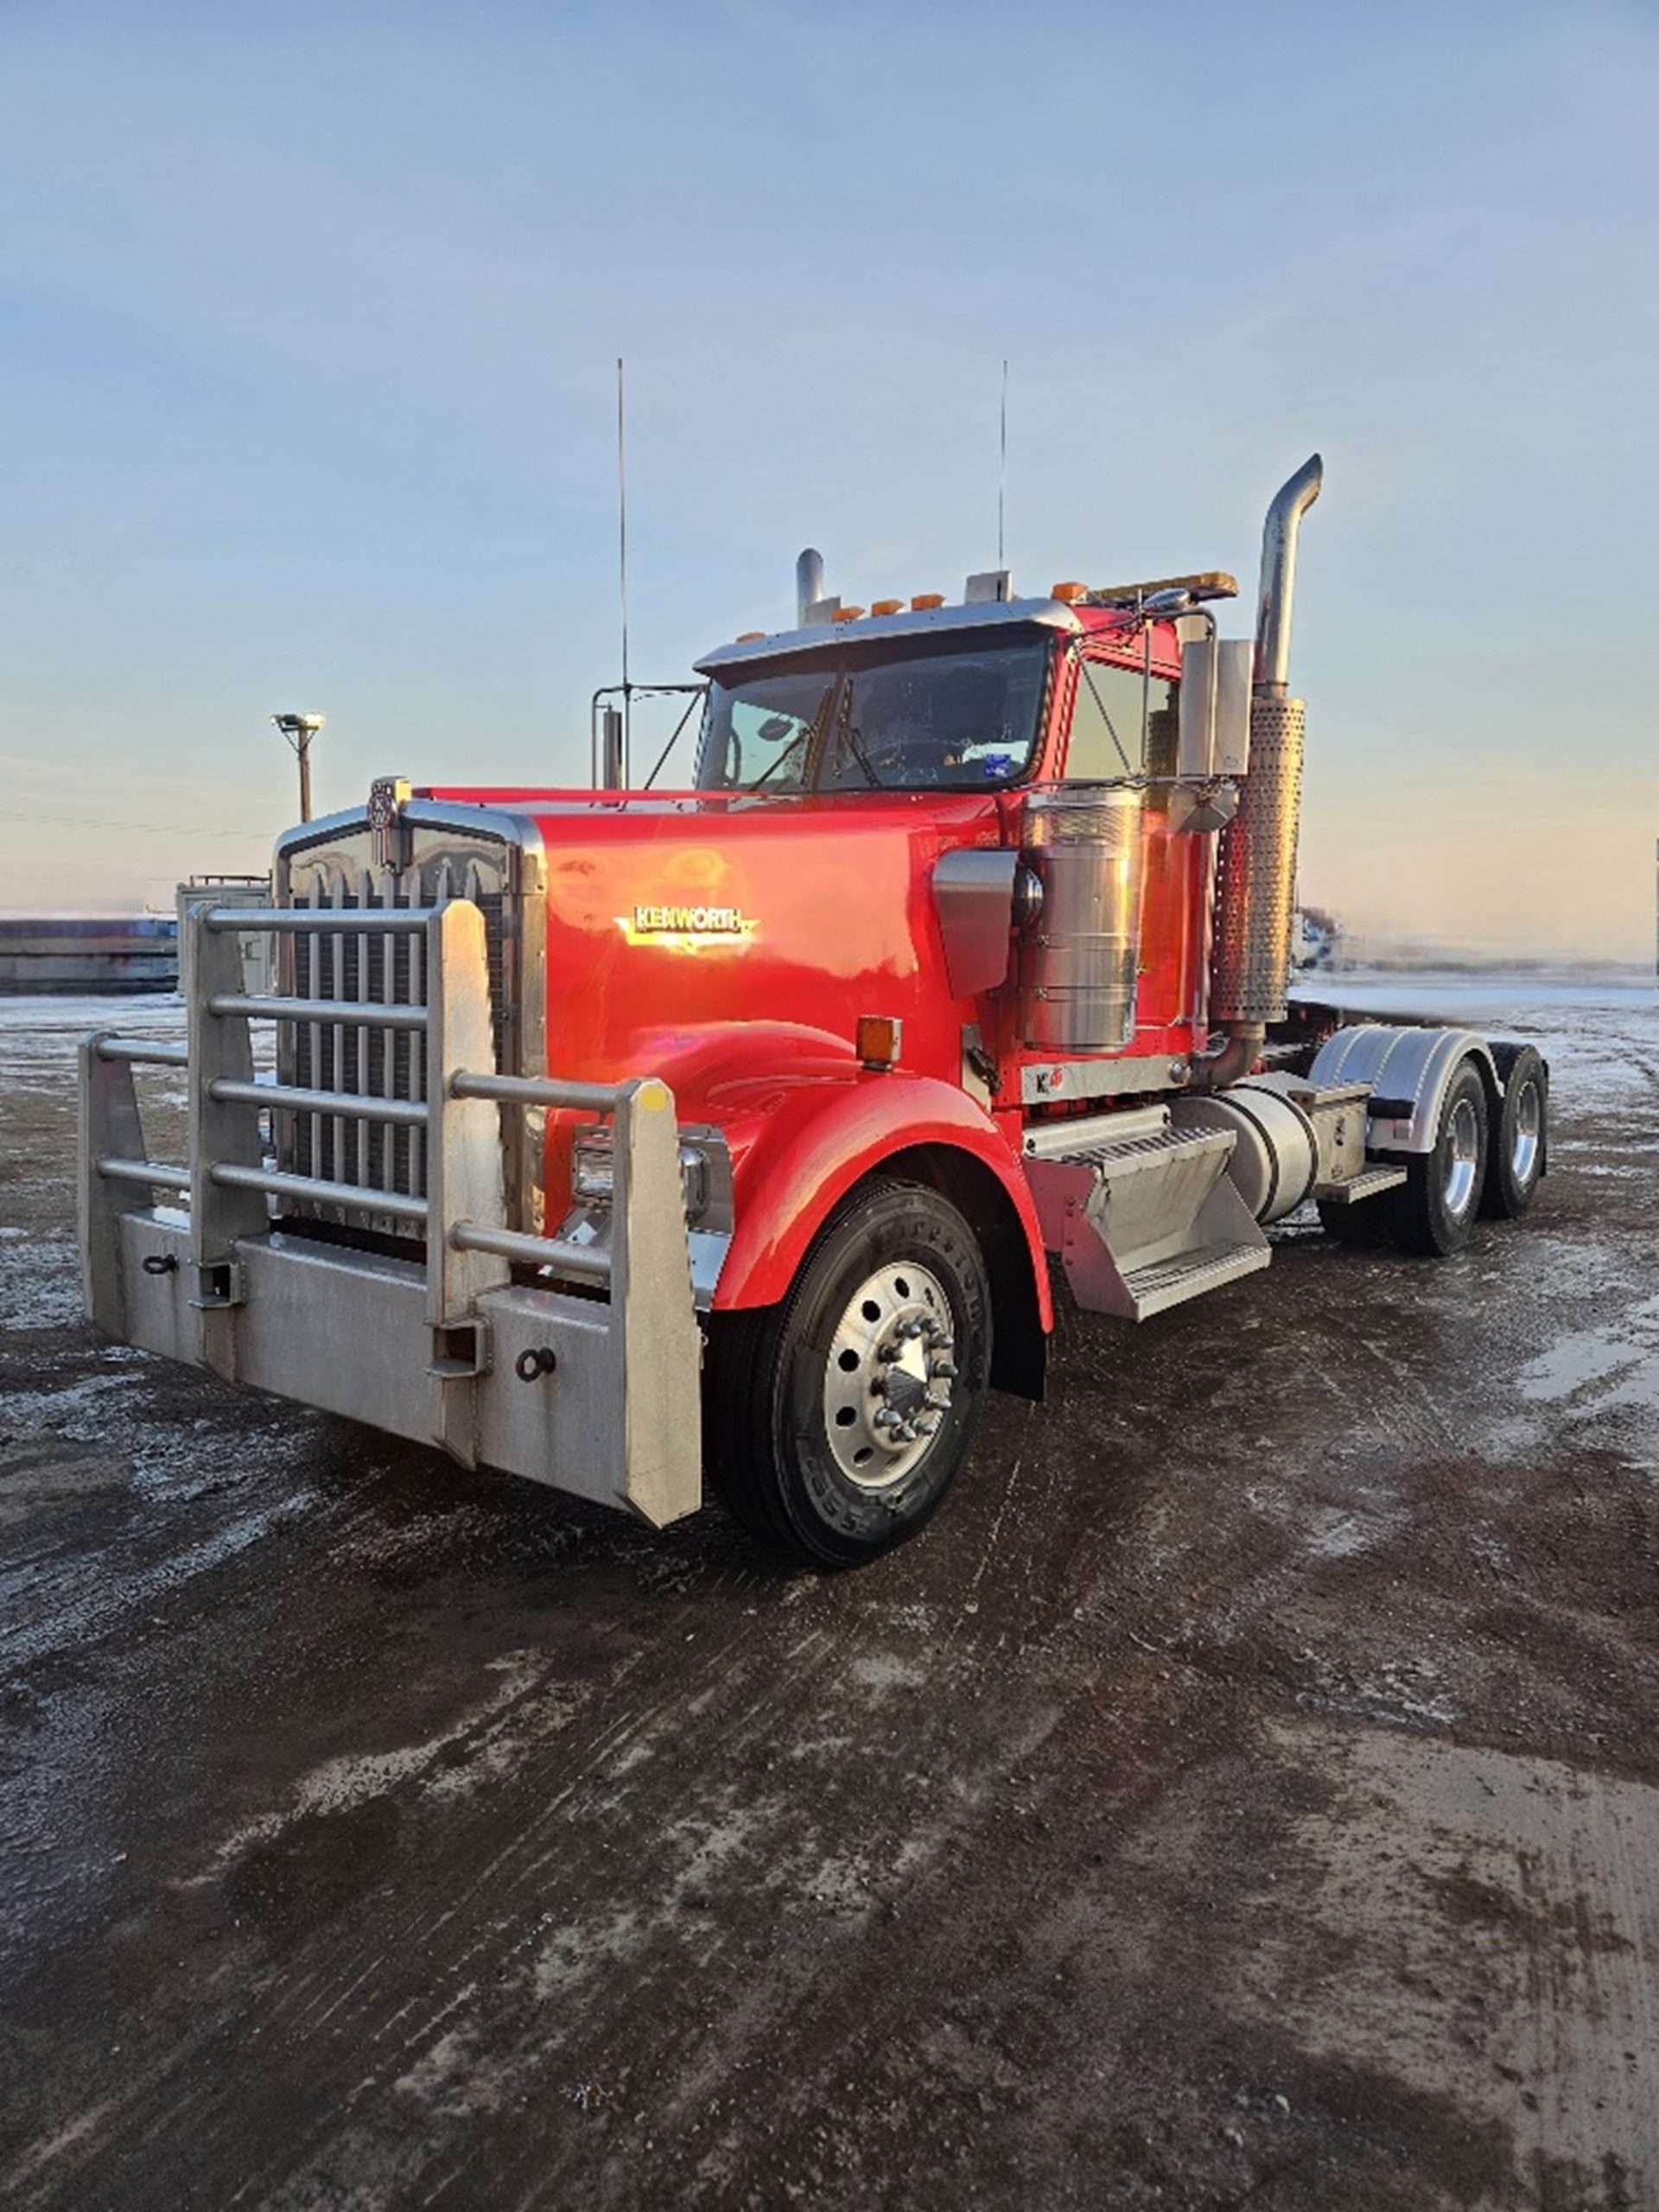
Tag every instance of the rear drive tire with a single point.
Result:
(1518, 1138)
(1437, 1206)
(835, 1421)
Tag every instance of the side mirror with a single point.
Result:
(1215, 710)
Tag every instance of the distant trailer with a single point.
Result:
(258, 947)
(99, 953)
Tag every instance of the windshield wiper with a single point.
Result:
(806, 739)
(766, 775)
(854, 746)
(854, 741)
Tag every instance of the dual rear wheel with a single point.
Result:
(1487, 1159)
(1520, 1150)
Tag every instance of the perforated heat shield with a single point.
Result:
(1257, 888)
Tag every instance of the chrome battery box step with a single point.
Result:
(1145, 1218)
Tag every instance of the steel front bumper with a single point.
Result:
(537, 1384)
(572, 1360)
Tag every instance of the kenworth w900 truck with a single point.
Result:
(619, 1137)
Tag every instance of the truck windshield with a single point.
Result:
(929, 716)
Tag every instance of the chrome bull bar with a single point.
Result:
(594, 1394)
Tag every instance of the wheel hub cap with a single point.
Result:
(1462, 1158)
(1523, 1149)
(887, 1382)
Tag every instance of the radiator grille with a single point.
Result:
(359, 966)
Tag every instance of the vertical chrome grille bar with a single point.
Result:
(385, 1174)
(417, 1057)
(409, 948)
(313, 1038)
(473, 888)
(394, 890)
(339, 1078)
(442, 889)
(361, 1072)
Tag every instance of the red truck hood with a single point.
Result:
(715, 941)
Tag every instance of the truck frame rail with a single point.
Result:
(585, 1378)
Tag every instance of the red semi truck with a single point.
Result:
(618, 1135)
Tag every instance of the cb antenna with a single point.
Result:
(1002, 467)
(622, 558)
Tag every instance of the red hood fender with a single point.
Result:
(802, 1145)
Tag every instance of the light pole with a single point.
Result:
(299, 730)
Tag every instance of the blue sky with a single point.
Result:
(309, 318)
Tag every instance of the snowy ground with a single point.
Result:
(1246, 1793)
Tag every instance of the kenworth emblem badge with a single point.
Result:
(386, 797)
(688, 929)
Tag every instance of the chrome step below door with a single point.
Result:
(1148, 1222)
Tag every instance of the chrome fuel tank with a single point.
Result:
(1079, 960)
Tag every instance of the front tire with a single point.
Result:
(1440, 1198)
(835, 1421)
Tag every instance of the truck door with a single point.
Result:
(1123, 729)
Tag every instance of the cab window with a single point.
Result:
(878, 713)
(958, 720)
(762, 735)
(1106, 709)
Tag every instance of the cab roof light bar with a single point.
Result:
(1213, 584)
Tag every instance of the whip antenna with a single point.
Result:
(622, 558)
(1002, 466)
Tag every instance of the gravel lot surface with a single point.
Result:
(1246, 1794)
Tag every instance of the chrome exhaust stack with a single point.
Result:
(1273, 606)
(809, 585)
(1255, 891)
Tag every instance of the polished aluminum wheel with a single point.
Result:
(1527, 1134)
(886, 1384)
(1462, 1158)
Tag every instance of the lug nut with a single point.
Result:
(942, 1365)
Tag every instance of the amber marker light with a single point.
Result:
(1068, 594)
(748, 637)
(887, 606)
(924, 599)
(846, 615)
(879, 1036)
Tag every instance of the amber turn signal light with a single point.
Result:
(879, 1036)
